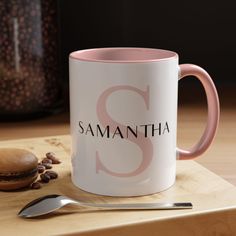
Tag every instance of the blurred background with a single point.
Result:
(201, 32)
(36, 37)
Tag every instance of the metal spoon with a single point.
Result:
(50, 203)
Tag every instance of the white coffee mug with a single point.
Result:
(123, 107)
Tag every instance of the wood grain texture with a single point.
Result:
(213, 198)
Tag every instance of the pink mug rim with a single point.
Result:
(123, 55)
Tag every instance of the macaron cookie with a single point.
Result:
(18, 168)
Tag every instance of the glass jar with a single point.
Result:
(29, 58)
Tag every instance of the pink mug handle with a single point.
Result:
(213, 111)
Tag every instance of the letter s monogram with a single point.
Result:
(143, 142)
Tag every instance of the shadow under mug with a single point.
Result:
(123, 106)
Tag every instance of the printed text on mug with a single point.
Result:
(140, 134)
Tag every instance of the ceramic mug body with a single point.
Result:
(123, 106)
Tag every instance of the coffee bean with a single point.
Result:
(45, 178)
(52, 156)
(47, 165)
(56, 161)
(52, 174)
(35, 185)
(46, 160)
(41, 168)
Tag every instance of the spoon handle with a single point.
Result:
(140, 206)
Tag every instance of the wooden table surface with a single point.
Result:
(220, 158)
(213, 199)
